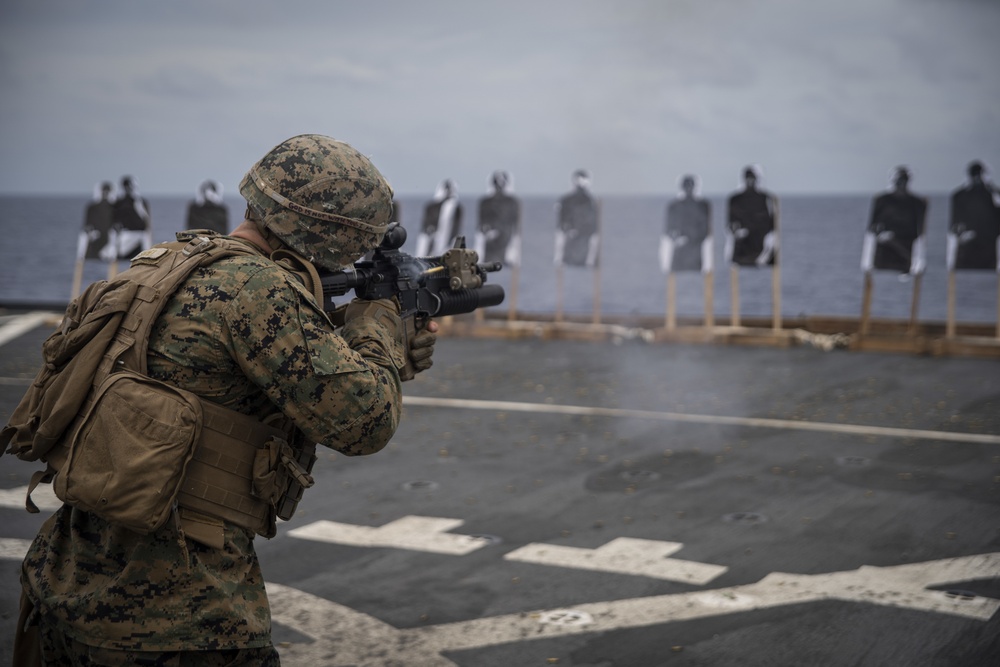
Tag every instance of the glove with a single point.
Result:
(421, 349)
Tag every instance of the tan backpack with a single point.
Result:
(121, 444)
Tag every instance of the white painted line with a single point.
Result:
(43, 496)
(363, 641)
(23, 324)
(624, 555)
(758, 422)
(565, 617)
(13, 549)
(900, 586)
(416, 533)
(355, 638)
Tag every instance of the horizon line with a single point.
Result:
(477, 195)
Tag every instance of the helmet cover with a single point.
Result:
(321, 197)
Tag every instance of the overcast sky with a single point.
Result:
(824, 96)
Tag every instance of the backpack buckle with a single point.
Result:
(196, 245)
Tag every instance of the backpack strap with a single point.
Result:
(160, 271)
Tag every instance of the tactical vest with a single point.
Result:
(138, 451)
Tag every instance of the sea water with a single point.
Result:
(821, 239)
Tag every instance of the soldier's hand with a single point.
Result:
(420, 352)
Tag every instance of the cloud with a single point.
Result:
(180, 82)
(635, 90)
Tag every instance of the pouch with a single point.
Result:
(130, 451)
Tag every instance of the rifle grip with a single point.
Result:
(412, 325)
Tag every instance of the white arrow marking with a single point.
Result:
(43, 496)
(23, 324)
(345, 637)
(624, 555)
(417, 533)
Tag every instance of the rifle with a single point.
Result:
(425, 287)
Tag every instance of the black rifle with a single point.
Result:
(425, 287)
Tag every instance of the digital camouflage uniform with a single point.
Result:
(244, 333)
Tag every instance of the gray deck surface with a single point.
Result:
(634, 505)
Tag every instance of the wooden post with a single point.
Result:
(776, 273)
(597, 268)
(512, 297)
(915, 302)
(597, 294)
(734, 295)
(559, 293)
(949, 330)
(866, 303)
(112, 269)
(671, 321)
(709, 301)
(776, 298)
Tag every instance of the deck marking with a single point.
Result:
(363, 641)
(43, 495)
(624, 555)
(759, 422)
(13, 549)
(23, 324)
(416, 533)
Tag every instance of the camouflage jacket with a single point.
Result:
(243, 333)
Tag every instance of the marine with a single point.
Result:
(244, 332)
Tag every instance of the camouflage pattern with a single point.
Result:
(322, 198)
(246, 334)
(58, 649)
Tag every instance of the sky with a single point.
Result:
(825, 97)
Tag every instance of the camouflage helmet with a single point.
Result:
(320, 197)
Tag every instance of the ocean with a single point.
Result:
(821, 239)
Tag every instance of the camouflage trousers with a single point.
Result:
(38, 644)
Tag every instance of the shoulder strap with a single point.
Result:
(158, 271)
